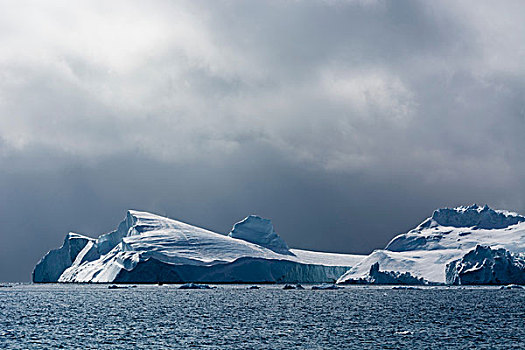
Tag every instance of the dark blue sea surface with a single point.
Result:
(234, 317)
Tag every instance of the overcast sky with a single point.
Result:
(345, 122)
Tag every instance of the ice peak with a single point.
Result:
(260, 231)
(477, 216)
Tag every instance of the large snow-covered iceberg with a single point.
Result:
(149, 248)
(448, 235)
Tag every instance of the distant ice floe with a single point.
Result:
(512, 286)
(195, 286)
(326, 286)
(292, 286)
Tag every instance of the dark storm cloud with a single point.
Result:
(346, 122)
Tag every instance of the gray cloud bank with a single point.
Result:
(346, 122)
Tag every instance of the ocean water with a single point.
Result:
(233, 317)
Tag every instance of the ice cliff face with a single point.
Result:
(446, 236)
(484, 265)
(54, 263)
(260, 231)
(149, 248)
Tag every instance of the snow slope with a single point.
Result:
(150, 248)
(446, 236)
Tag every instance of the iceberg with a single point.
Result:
(326, 286)
(511, 286)
(114, 286)
(484, 265)
(291, 286)
(148, 248)
(195, 286)
(448, 235)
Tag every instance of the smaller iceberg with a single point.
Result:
(292, 286)
(114, 286)
(511, 286)
(326, 286)
(195, 286)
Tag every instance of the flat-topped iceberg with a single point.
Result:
(147, 248)
(448, 235)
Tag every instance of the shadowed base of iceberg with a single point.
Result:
(242, 270)
(386, 277)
